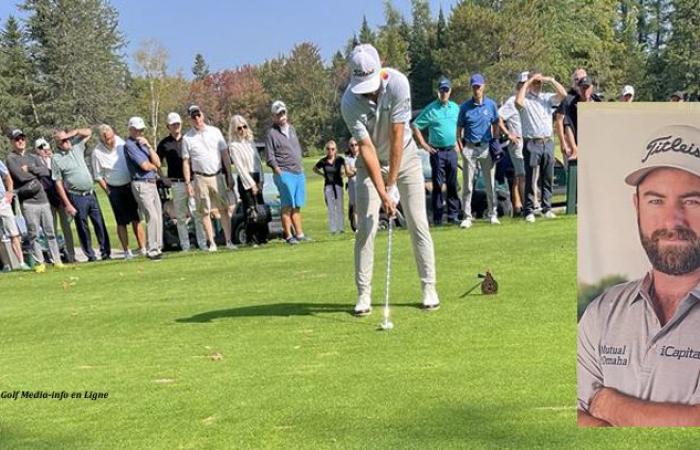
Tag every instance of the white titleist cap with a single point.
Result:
(675, 147)
(137, 123)
(277, 107)
(173, 117)
(364, 69)
(627, 90)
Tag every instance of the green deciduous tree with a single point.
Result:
(391, 43)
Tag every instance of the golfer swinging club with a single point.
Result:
(376, 108)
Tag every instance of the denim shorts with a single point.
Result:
(292, 188)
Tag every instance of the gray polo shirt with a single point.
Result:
(364, 118)
(70, 167)
(283, 150)
(622, 345)
(537, 115)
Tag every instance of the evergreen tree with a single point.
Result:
(367, 36)
(681, 56)
(200, 69)
(391, 45)
(422, 71)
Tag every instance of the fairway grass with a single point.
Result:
(256, 349)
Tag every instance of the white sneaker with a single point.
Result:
(550, 215)
(430, 298)
(213, 248)
(144, 252)
(363, 306)
(494, 220)
(466, 223)
(231, 246)
(530, 218)
(128, 255)
(537, 210)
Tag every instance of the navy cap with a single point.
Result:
(477, 79)
(445, 83)
(14, 134)
(585, 81)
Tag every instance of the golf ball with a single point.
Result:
(387, 325)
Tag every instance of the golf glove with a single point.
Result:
(393, 192)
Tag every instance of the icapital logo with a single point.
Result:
(670, 144)
(677, 353)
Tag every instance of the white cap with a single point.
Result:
(173, 117)
(41, 143)
(522, 77)
(675, 147)
(137, 123)
(627, 90)
(278, 106)
(364, 69)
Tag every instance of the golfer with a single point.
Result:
(638, 343)
(376, 108)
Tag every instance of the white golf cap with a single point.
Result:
(364, 69)
(137, 123)
(41, 143)
(278, 106)
(627, 90)
(675, 147)
(173, 117)
(522, 77)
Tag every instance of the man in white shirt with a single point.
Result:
(112, 174)
(204, 151)
(376, 108)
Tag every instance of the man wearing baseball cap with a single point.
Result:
(476, 127)
(143, 163)
(440, 119)
(376, 107)
(638, 343)
(627, 94)
(75, 187)
(170, 151)
(678, 97)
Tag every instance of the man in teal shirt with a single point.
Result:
(440, 119)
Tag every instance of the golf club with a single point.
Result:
(386, 323)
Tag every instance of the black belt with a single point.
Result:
(178, 180)
(441, 149)
(149, 180)
(476, 144)
(207, 174)
(81, 194)
(539, 140)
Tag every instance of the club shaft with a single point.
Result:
(388, 270)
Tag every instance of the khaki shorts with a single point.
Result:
(210, 193)
(7, 217)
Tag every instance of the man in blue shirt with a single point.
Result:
(440, 119)
(143, 163)
(476, 126)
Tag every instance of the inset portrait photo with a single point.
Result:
(638, 355)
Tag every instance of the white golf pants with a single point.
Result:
(334, 201)
(182, 210)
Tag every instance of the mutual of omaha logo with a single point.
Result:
(670, 144)
(670, 351)
(612, 355)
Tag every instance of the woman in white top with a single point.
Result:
(249, 167)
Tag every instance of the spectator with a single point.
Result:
(246, 159)
(203, 151)
(386, 149)
(44, 153)
(627, 94)
(25, 171)
(111, 172)
(75, 188)
(477, 125)
(538, 147)
(143, 164)
(513, 129)
(440, 119)
(350, 161)
(7, 218)
(170, 151)
(567, 113)
(678, 97)
(559, 123)
(331, 168)
(284, 157)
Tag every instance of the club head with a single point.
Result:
(386, 325)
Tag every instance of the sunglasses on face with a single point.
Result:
(19, 138)
(353, 145)
(444, 90)
(195, 115)
(242, 127)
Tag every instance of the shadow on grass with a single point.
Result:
(276, 309)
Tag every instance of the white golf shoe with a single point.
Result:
(431, 302)
(466, 223)
(530, 218)
(494, 220)
(550, 215)
(363, 306)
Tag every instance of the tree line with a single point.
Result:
(63, 64)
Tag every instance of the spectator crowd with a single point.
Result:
(187, 177)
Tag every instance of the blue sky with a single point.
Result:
(233, 33)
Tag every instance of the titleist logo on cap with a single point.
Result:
(670, 144)
(360, 73)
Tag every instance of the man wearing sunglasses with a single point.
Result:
(26, 171)
(75, 187)
(376, 107)
(440, 119)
